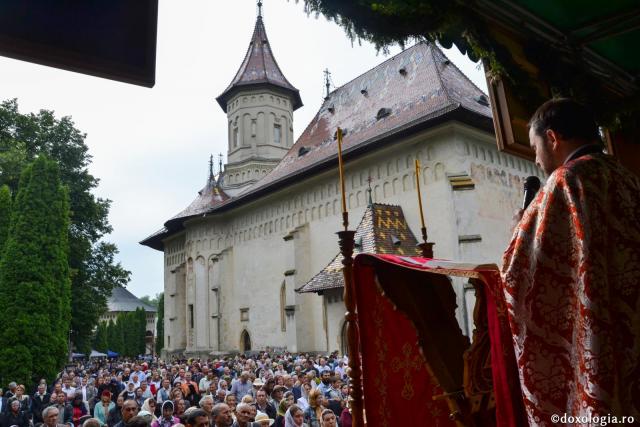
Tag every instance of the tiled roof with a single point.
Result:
(259, 68)
(413, 88)
(208, 198)
(416, 85)
(123, 300)
(382, 230)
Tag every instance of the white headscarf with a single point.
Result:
(288, 420)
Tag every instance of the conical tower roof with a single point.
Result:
(260, 68)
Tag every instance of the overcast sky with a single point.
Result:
(151, 147)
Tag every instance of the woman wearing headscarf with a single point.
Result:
(285, 403)
(313, 414)
(79, 409)
(102, 408)
(294, 417)
(149, 405)
(303, 401)
(166, 419)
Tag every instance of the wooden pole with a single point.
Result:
(426, 247)
(346, 240)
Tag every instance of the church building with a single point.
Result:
(250, 263)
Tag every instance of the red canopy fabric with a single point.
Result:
(398, 386)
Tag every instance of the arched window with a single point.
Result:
(283, 303)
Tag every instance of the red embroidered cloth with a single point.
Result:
(398, 388)
(572, 286)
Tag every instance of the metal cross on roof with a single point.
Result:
(369, 180)
(327, 82)
(260, 8)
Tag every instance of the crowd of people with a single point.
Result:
(281, 390)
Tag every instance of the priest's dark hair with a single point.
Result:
(567, 117)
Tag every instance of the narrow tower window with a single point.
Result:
(277, 134)
(236, 137)
(191, 316)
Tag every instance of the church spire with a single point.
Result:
(211, 168)
(260, 69)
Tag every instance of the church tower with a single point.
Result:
(259, 103)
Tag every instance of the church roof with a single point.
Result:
(382, 230)
(123, 300)
(417, 87)
(211, 196)
(259, 67)
(208, 198)
(411, 91)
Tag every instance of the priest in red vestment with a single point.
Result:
(571, 277)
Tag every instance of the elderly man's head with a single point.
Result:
(206, 403)
(221, 414)
(244, 412)
(129, 410)
(50, 416)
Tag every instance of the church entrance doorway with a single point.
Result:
(245, 341)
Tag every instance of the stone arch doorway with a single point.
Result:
(245, 341)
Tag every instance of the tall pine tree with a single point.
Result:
(100, 340)
(5, 215)
(35, 290)
(160, 325)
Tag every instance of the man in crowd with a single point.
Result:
(221, 415)
(571, 277)
(241, 386)
(244, 413)
(206, 403)
(165, 392)
(68, 388)
(65, 411)
(325, 382)
(89, 393)
(263, 405)
(198, 418)
(129, 410)
(39, 401)
(50, 417)
(12, 390)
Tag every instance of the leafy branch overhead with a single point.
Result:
(455, 22)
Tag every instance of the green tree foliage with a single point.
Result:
(160, 324)
(35, 291)
(23, 137)
(112, 337)
(100, 342)
(152, 301)
(5, 214)
(127, 335)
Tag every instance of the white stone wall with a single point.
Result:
(289, 236)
